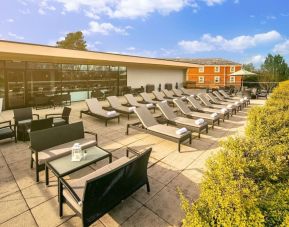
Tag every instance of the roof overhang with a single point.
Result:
(39, 53)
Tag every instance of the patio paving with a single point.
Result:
(24, 202)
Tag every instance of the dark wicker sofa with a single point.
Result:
(95, 194)
(51, 143)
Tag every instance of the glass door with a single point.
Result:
(15, 88)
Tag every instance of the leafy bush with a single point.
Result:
(247, 182)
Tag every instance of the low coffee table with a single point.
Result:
(63, 166)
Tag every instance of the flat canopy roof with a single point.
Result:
(40, 53)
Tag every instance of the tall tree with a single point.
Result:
(74, 41)
(275, 67)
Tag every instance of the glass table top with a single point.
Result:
(64, 165)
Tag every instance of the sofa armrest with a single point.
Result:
(130, 150)
(36, 115)
(53, 115)
(71, 191)
(92, 133)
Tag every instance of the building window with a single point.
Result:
(217, 69)
(217, 79)
(232, 69)
(201, 69)
(232, 79)
(201, 79)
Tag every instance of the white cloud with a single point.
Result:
(44, 7)
(127, 8)
(257, 59)
(271, 18)
(25, 11)
(104, 28)
(14, 36)
(93, 46)
(282, 48)
(214, 2)
(236, 1)
(10, 20)
(209, 43)
(131, 48)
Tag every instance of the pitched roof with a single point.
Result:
(206, 61)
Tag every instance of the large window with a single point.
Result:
(201, 69)
(27, 80)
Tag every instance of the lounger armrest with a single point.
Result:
(36, 115)
(67, 186)
(53, 115)
(92, 133)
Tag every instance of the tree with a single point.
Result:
(74, 41)
(274, 69)
(249, 67)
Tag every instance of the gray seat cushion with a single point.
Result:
(62, 150)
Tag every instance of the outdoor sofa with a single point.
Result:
(95, 194)
(55, 142)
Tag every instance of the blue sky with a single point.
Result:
(241, 30)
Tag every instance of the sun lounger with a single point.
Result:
(179, 93)
(206, 102)
(172, 118)
(198, 107)
(147, 99)
(117, 106)
(210, 118)
(95, 110)
(133, 102)
(222, 99)
(171, 95)
(160, 97)
(148, 124)
(226, 96)
(235, 106)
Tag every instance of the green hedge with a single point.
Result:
(247, 182)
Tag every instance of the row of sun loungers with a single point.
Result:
(195, 117)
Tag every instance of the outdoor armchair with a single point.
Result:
(60, 118)
(7, 130)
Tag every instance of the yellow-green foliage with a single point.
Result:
(247, 182)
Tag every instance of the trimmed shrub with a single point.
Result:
(247, 182)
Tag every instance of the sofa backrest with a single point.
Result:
(47, 138)
(104, 192)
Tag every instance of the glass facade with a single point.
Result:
(22, 82)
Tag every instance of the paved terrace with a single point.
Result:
(26, 203)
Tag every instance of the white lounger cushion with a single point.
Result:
(165, 130)
(63, 149)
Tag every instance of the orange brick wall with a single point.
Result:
(209, 74)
